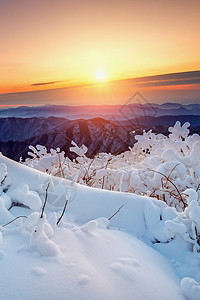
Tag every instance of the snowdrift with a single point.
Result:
(87, 256)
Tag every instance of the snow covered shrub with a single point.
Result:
(19, 195)
(41, 234)
(50, 163)
(157, 165)
(164, 224)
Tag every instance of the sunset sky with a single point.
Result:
(83, 52)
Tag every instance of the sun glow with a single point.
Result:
(100, 75)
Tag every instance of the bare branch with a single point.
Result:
(116, 212)
(180, 197)
(87, 170)
(172, 170)
(4, 179)
(13, 220)
(103, 181)
(198, 187)
(45, 201)
(168, 177)
(62, 212)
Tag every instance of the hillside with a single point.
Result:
(138, 240)
(71, 259)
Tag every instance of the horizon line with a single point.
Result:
(84, 105)
(163, 79)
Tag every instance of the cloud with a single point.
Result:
(46, 83)
(181, 78)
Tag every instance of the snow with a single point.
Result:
(23, 195)
(40, 241)
(156, 165)
(39, 271)
(190, 288)
(107, 264)
(147, 250)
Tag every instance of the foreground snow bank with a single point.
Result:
(81, 258)
(104, 264)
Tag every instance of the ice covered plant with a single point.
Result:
(164, 224)
(51, 163)
(157, 165)
(40, 238)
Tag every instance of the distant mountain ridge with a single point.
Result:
(98, 134)
(165, 120)
(120, 112)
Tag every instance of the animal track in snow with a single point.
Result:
(83, 279)
(39, 271)
(127, 267)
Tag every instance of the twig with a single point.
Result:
(103, 181)
(13, 220)
(180, 197)
(90, 176)
(56, 174)
(198, 187)
(4, 179)
(45, 201)
(62, 212)
(87, 170)
(116, 212)
(165, 184)
(171, 172)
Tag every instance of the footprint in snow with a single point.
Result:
(127, 267)
(2, 254)
(39, 271)
(70, 265)
(129, 261)
(83, 279)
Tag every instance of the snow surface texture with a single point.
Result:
(148, 250)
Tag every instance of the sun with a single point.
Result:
(100, 75)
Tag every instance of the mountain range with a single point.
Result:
(109, 112)
(98, 134)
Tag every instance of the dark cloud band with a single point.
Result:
(45, 83)
(182, 78)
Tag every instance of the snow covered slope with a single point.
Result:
(87, 256)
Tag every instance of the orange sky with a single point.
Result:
(52, 44)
